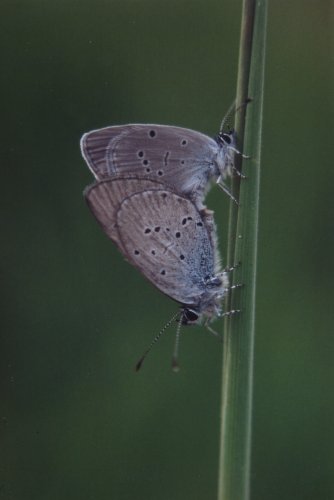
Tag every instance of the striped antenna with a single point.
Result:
(155, 340)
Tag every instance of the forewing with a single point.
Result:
(181, 157)
(165, 237)
(104, 199)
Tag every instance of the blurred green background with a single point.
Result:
(76, 421)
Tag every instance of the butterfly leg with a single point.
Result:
(230, 313)
(234, 168)
(245, 157)
(238, 173)
(228, 289)
(230, 269)
(226, 190)
(211, 330)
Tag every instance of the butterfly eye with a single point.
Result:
(189, 316)
(226, 138)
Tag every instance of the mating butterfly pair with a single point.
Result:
(148, 198)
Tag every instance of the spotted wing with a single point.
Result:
(178, 156)
(164, 236)
(105, 197)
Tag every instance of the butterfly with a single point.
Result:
(167, 238)
(182, 158)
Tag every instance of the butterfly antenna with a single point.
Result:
(232, 110)
(155, 340)
(175, 362)
(228, 115)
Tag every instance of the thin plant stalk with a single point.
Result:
(238, 359)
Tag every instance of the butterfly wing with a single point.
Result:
(178, 156)
(104, 199)
(164, 236)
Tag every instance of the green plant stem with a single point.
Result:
(235, 453)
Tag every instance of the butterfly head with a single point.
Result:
(227, 148)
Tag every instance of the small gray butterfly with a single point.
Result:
(164, 235)
(180, 157)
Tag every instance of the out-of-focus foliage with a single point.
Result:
(77, 422)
